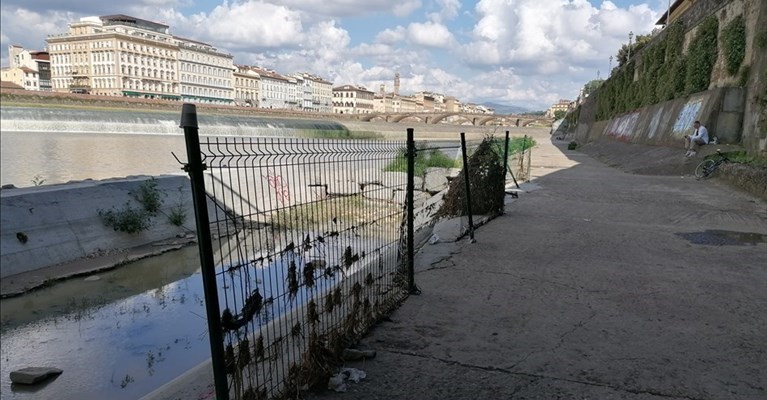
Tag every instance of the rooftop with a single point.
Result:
(118, 19)
(674, 6)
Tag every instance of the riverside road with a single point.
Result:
(597, 284)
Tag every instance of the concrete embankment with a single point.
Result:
(666, 124)
(56, 224)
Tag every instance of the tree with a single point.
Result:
(636, 46)
(592, 86)
(559, 114)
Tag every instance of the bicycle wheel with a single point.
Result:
(705, 169)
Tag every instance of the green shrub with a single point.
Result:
(177, 215)
(734, 44)
(572, 145)
(133, 220)
(424, 158)
(126, 219)
(149, 197)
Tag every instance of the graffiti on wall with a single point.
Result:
(623, 128)
(279, 185)
(688, 115)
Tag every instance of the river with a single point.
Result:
(50, 145)
(140, 325)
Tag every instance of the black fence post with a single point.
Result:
(411, 154)
(195, 168)
(468, 185)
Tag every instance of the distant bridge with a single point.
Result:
(457, 118)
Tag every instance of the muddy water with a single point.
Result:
(118, 337)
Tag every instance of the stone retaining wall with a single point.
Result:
(665, 124)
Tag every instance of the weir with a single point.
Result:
(49, 119)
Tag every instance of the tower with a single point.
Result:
(382, 90)
(396, 84)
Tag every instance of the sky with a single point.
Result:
(528, 53)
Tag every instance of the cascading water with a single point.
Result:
(54, 145)
(45, 119)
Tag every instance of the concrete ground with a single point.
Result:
(599, 284)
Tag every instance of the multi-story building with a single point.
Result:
(246, 86)
(116, 55)
(351, 99)
(452, 104)
(303, 93)
(205, 74)
(562, 105)
(408, 104)
(276, 91)
(37, 60)
(426, 100)
(386, 102)
(25, 77)
(321, 93)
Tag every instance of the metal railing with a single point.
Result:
(303, 247)
(305, 244)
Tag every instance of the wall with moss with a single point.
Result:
(715, 44)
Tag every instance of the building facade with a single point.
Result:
(39, 61)
(276, 91)
(115, 55)
(303, 93)
(321, 93)
(351, 99)
(25, 77)
(205, 74)
(246, 86)
(561, 105)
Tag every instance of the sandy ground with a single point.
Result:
(596, 284)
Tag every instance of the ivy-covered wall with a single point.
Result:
(662, 71)
(715, 44)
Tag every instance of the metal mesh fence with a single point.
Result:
(306, 243)
(306, 237)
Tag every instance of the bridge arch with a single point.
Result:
(406, 117)
(438, 118)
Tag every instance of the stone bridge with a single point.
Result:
(456, 118)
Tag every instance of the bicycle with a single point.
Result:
(707, 167)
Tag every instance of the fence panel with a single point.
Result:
(308, 240)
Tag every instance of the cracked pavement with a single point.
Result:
(585, 290)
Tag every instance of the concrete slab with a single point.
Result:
(584, 289)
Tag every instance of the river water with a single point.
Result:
(119, 337)
(58, 145)
(136, 327)
(28, 157)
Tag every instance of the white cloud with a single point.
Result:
(448, 10)
(338, 8)
(252, 23)
(391, 36)
(532, 31)
(430, 34)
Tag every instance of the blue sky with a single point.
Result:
(522, 52)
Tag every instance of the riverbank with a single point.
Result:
(357, 129)
(51, 232)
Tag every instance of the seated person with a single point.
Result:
(699, 138)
